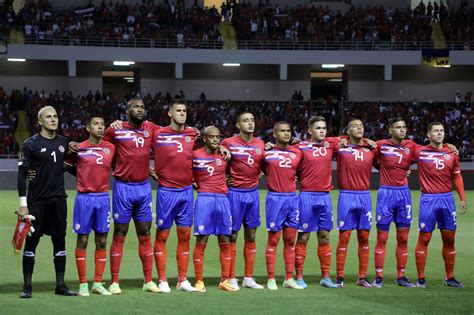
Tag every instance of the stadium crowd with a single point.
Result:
(264, 21)
(74, 110)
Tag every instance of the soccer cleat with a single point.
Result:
(164, 287)
(26, 293)
(378, 282)
(327, 283)
(64, 290)
(363, 282)
(151, 287)
(452, 282)
(235, 283)
(185, 286)
(115, 288)
(250, 283)
(272, 285)
(227, 286)
(404, 282)
(301, 283)
(340, 282)
(83, 289)
(421, 283)
(98, 288)
(291, 284)
(200, 287)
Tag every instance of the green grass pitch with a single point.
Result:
(437, 298)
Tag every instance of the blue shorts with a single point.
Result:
(315, 211)
(212, 215)
(91, 212)
(354, 210)
(281, 209)
(174, 204)
(437, 208)
(245, 208)
(131, 200)
(393, 205)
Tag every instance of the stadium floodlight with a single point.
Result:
(16, 59)
(229, 64)
(332, 66)
(123, 63)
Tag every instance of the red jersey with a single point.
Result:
(173, 151)
(133, 150)
(246, 162)
(354, 167)
(209, 172)
(280, 167)
(316, 164)
(395, 161)
(436, 168)
(93, 164)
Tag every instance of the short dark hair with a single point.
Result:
(315, 119)
(279, 123)
(395, 120)
(92, 116)
(239, 116)
(434, 123)
(354, 119)
(177, 101)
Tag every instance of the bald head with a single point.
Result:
(211, 130)
(212, 138)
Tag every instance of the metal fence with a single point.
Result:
(240, 44)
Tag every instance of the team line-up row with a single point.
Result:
(226, 175)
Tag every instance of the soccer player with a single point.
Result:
(245, 168)
(212, 210)
(315, 206)
(173, 150)
(393, 199)
(92, 206)
(281, 205)
(354, 209)
(44, 153)
(438, 169)
(131, 197)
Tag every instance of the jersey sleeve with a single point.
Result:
(456, 165)
(71, 159)
(109, 135)
(25, 154)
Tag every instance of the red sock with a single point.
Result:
(379, 252)
(341, 251)
(233, 254)
(449, 253)
(160, 253)
(145, 250)
(250, 249)
(198, 259)
(225, 259)
(324, 255)
(363, 238)
(182, 251)
(100, 258)
(300, 255)
(421, 252)
(81, 264)
(270, 253)
(402, 251)
(289, 238)
(116, 253)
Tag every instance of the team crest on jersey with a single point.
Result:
(116, 216)
(365, 149)
(422, 225)
(341, 223)
(160, 222)
(258, 151)
(272, 224)
(201, 228)
(146, 134)
(77, 226)
(187, 139)
(305, 225)
(447, 157)
(218, 162)
(326, 144)
(106, 151)
(61, 148)
(407, 150)
(292, 155)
